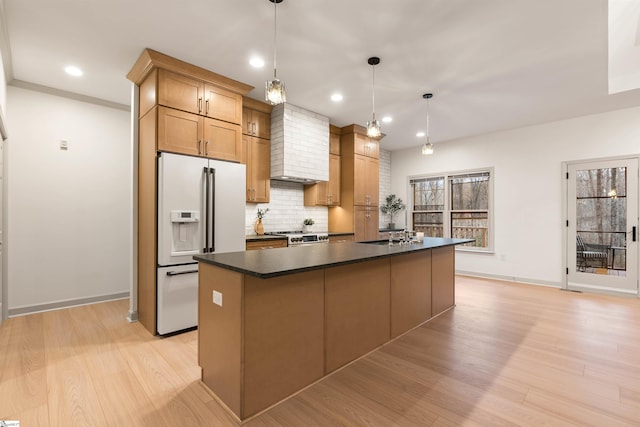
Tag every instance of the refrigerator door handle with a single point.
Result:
(206, 211)
(212, 213)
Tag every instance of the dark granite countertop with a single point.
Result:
(282, 261)
(256, 238)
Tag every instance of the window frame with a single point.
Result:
(447, 211)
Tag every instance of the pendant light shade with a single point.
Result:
(373, 126)
(274, 89)
(427, 148)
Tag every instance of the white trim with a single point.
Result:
(65, 94)
(511, 279)
(5, 45)
(446, 220)
(133, 191)
(565, 217)
(38, 308)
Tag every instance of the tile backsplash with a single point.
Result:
(286, 210)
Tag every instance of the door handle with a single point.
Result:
(633, 233)
(177, 273)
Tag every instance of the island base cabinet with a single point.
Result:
(442, 279)
(266, 339)
(220, 333)
(410, 292)
(356, 311)
(283, 337)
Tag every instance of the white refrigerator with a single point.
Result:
(201, 209)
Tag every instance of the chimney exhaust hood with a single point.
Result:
(299, 145)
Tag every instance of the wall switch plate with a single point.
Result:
(217, 298)
(64, 144)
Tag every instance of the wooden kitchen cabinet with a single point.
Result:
(258, 161)
(198, 97)
(256, 143)
(334, 140)
(359, 186)
(256, 123)
(187, 133)
(366, 220)
(266, 244)
(366, 181)
(325, 193)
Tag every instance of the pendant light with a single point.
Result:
(274, 89)
(373, 127)
(427, 148)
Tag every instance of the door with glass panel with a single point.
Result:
(602, 247)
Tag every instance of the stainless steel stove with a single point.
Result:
(300, 238)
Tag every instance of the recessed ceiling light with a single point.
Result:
(256, 62)
(336, 97)
(73, 71)
(387, 119)
(420, 134)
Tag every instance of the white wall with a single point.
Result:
(68, 210)
(385, 187)
(528, 185)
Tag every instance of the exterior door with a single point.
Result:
(602, 247)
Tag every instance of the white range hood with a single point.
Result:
(299, 145)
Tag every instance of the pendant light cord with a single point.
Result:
(427, 120)
(373, 92)
(275, 24)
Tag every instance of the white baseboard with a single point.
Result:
(132, 316)
(512, 279)
(20, 311)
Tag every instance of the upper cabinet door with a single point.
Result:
(222, 140)
(179, 132)
(222, 104)
(366, 146)
(262, 124)
(180, 92)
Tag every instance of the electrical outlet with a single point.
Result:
(217, 298)
(64, 144)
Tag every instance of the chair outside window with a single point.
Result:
(588, 255)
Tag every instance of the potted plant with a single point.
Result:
(258, 227)
(307, 223)
(392, 206)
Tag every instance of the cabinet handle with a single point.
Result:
(248, 194)
(199, 105)
(254, 194)
(200, 146)
(206, 148)
(206, 109)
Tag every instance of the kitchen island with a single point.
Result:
(272, 322)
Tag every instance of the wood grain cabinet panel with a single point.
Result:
(180, 92)
(356, 310)
(258, 161)
(283, 337)
(266, 244)
(222, 104)
(180, 132)
(442, 279)
(222, 140)
(256, 123)
(410, 291)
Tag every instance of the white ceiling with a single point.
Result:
(491, 64)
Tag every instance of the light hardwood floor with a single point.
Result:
(507, 354)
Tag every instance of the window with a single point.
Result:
(454, 205)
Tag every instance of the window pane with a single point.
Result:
(604, 182)
(428, 194)
(470, 192)
(429, 223)
(471, 225)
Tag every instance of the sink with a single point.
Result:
(380, 242)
